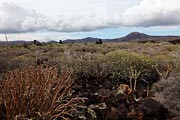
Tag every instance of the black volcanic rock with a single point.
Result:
(176, 41)
(153, 109)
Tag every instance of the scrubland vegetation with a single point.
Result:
(109, 81)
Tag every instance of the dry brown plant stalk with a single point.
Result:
(38, 93)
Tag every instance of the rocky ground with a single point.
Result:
(120, 103)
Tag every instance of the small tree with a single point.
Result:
(60, 42)
(134, 74)
(37, 43)
(100, 41)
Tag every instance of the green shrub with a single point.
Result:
(165, 65)
(126, 65)
(90, 69)
(117, 66)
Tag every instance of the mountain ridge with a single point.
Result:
(133, 36)
(137, 36)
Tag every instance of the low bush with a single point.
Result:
(126, 66)
(165, 65)
(8, 59)
(38, 93)
(118, 67)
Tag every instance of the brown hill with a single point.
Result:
(141, 37)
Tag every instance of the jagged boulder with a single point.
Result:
(152, 109)
(2, 112)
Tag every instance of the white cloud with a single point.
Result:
(73, 16)
(15, 19)
(83, 21)
(40, 36)
(21, 16)
(153, 13)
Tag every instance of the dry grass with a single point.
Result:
(38, 93)
(167, 92)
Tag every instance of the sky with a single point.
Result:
(47, 20)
